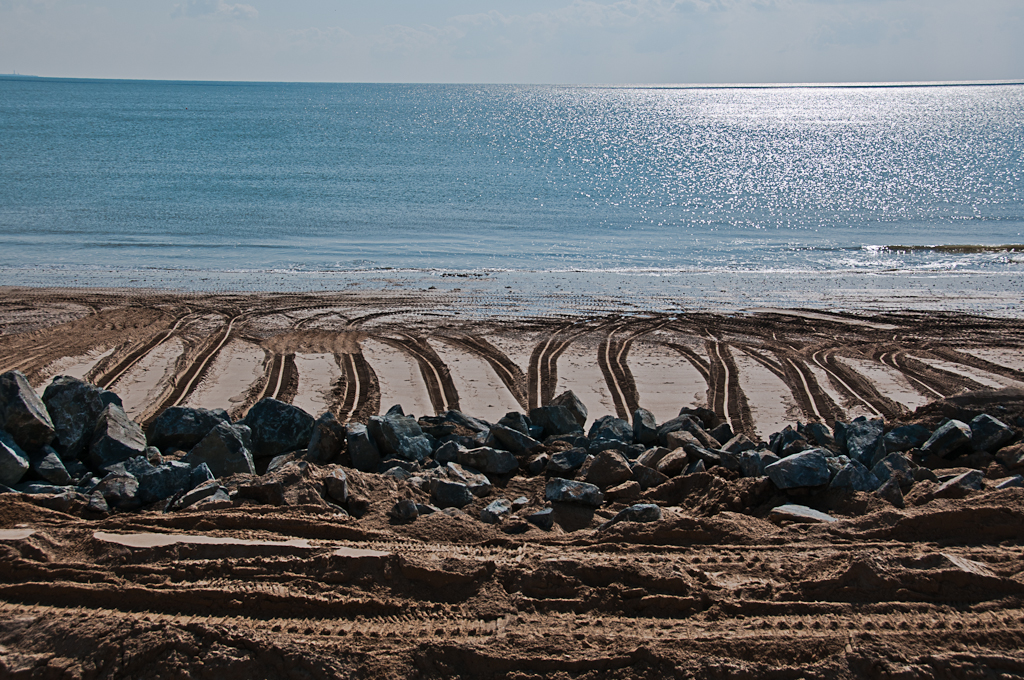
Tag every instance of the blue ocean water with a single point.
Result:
(102, 180)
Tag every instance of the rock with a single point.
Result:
(695, 467)
(488, 460)
(278, 462)
(336, 485)
(645, 427)
(400, 436)
(680, 439)
(47, 464)
(610, 427)
(961, 485)
(569, 400)
(538, 463)
(23, 414)
(555, 420)
(448, 452)
(451, 494)
(890, 491)
(739, 444)
(905, 438)
(787, 442)
(405, 510)
(36, 488)
(542, 519)
(74, 406)
(182, 427)
(988, 433)
(947, 441)
(609, 468)
(753, 463)
(200, 474)
(225, 450)
(156, 482)
(397, 473)
(895, 465)
(361, 448)
(120, 490)
(674, 463)
(468, 422)
(648, 478)
(116, 438)
(854, 477)
(798, 514)
(1011, 482)
(627, 491)
(861, 439)
(804, 469)
(515, 421)
(651, 457)
(1012, 456)
(436, 426)
(327, 441)
(520, 503)
(477, 483)
(277, 428)
(513, 440)
(821, 434)
(686, 423)
(13, 461)
(570, 491)
(642, 512)
(206, 491)
(722, 433)
(496, 510)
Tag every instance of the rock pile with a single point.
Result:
(76, 450)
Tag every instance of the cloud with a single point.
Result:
(215, 8)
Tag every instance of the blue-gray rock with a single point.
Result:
(496, 510)
(225, 450)
(641, 512)
(988, 433)
(862, 438)
(120, 490)
(491, 461)
(156, 482)
(448, 452)
(570, 491)
(37, 488)
(739, 444)
(405, 510)
(468, 422)
(673, 464)
(854, 477)
(327, 441)
(645, 427)
(76, 469)
(277, 428)
(948, 440)
(787, 442)
(47, 464)
(695, 467)
(569, 400)
(565, 462)
(400, 436)
(894, 466)
(206, 491)
(537, 464)
(515, 420)
(395, 410)
(477, 483)
(115, 438)
(180, 428)
(905, 437)
(609, 468)
(805, 469)
(961, 485)
(1011, 482)
(798, 514)
(397, 473)
(598, 445)
(685, 423)
(13, 461)
(74, 406)
(451, 494)
(555, 420)
(542, 519)
(200, 475)
(890, 491)
(336, 485)
(753, 463)
(361, 448)
(652, 456)
(610, 427)
(722, 433)
(23, 414)
(514, 440)
(821, 435)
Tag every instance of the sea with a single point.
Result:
(639, 197)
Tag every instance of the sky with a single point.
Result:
(521, 41)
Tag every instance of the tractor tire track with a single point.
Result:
(507, 371)
(436, 375)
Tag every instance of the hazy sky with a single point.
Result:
(526, 41)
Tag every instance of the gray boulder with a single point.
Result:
(822, 435)
(890, 491)
(569, 400)
(542, 519)
(361, 448)
(514, 440)
(645, 427)
(804, 469)
(488, 460)
(225, 450)
(120, 490)
(207, 491)
(515, 420)
(648, 478)
(686, 423)
(1013, 482)
(961, 485)
(570, 491)
(753, 463)
(652, 456)
(13, 461)
(180, 428)
(674, 463)
(327, 441)
(477, 483)
(47, 464)
(156, 482)
(277, 427)
(854, 477)
(336, 485)
(401, 436)
(608, 469)
(74, 407)
(787, 442)
(610, 427)
(448, 452)
(894, 466)
(905, 437)
(405, 510)
(798, 514)
(988, 433)
(641, 512)
(468, 422)
(862, 438)
(948, 440)
(200, 475)
(496, 510)
(739, 444)
(565, 462)
(555, 420)
(23, 414)
(451, 494)
(115, 438)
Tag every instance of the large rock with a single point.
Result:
(645, 427)
(1012, 456)
(47, 464)
(799, 514)
(738, 444)
(74, 407)
(451, 494)
(822, 435)
(327, 441)
(686, 423)
(13, 461)
(570, 491)
(961, 485)
(23, 414)
(361, 448)
(156, 482)
(674, 463)
(277, 428)
(988, 433)
(401, 436)
(120, 490)
(905, 437)
(641, 513)
(807, 468)
(225, 450)
(652, 456)
(182, 427)
(468, 422)
(564, 462)
(894, 466)
(569, 400)
(608, 469)
(948, 440)
(555, 420)
(514, 440)
(861, 439)
(115, 438)
(516, 421)
(854, 477)
(542, 519)
(611, 428)
(491, 461)
(496, 510)
(476, 482)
